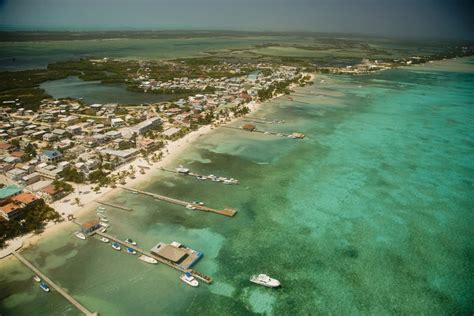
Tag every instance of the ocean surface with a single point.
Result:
(370, 214)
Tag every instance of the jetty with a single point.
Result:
(212, 178)
(61, 291)
(196, 274)
(226, 212)
(115, 206)
(252, 128)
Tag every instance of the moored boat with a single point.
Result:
(80, 235)
(105, 225)
(130, 241)
(189, 279)
(265, 280)
(116, 246)
(148, 259)
(104, 219)
(103, 239)
(101, 208)
(37, 278)
(131, 251)
(183, 170)
(44, 286)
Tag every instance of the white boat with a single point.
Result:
(181, 169)
(37, 278)
(103, 239)
(44, 287)
(105, 225)
(104, 219)
(116, 246)
(148, 259)
(190, 207)
(189, 279)
(103, 229)
(130, 241)
(264, 280)
(101, 208)
(80, 235)
(131, 251)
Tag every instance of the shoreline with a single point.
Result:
(88, 201)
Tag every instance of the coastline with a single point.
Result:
(88, 201)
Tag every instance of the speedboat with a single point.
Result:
(105, 225)
(116, 246)
(104, 219)
(37, 278)
(265, 280)
(131, 251)
(80, 235)
(189, 279)
(103, 239)
(101, 208)
(44, 286)
(130, 241)
(103, 229)
(190, 207)
(183, 170)
(148, 259)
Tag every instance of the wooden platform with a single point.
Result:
(227, 211)
(115, 206)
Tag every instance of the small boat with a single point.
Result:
(148, 259)
(103, 239)
(130, 241)
(189, 279)
(182, 170)
(105, 225)
(101, 208)
(190, 207)
(104, 219)
(103, 229)
(37, 278)
(201, 203)
(265, 280)
(131, 251)
(44, 286)
(80, 235)
(116, 246)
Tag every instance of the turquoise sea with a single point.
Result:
(370, 214)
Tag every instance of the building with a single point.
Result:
(171, 132)
(50, 156)
(8, 191)
(177, 254)
(52, 193)
(123, 155)
(90, 227)
(17, 204)
(145, 126)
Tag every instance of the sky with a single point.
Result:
(398, 18)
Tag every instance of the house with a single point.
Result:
(171, 132)
(117, 122)
(90, 227)
(122, 155)
(8, 191)
(31, 178)
(147, 144)
(17, 204)
(145, 126)
(50, 137)
(16, 174)
(52, 193)
(50, 156)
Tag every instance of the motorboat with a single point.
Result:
(101, 208)
(131, 251)
(103, 239)
(44, 286)
(80, 235)
(104, 219)
(130, 241)
(103, 229)
(148, 259)
(37, 278)
(116, 246)
(265, 280)
(190, 207)
(189, 279)
(105, 225)
(182, 170)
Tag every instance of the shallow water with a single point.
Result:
(369, 214)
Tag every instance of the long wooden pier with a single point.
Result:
(267, 132)
(227, 211)
(115, 206)
(198, 275)
(192, 174)
(52, 284)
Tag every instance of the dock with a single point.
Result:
(114, 206)
(226, 212)
(253, 129)
(196, 274)
(71, 299)
(203, 177)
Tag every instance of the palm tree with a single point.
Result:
(78, 201)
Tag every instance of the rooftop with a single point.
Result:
(9, 190)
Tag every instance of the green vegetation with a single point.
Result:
(32, 219)
(62, 185)
(72, 175)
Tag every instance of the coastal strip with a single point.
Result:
(71, 299)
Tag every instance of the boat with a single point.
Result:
(131, 251)
(44, 286)
(183, 170)
(190, 207)
(148, 259)
(105, 225)
(189, 279)
(103, 229)
(130, 241)
(80, 235)
(103, 239)
(104, 219)
(201, 203)
(265, 280)
(116, 246)
(101, 208)
(37, 278)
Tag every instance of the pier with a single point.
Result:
(203, 177)
(53, 285)
(253, 129)
(226, 212)
(196, 274)
(114, 206)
